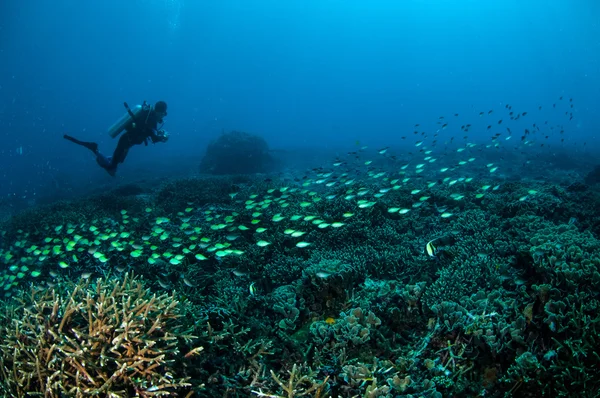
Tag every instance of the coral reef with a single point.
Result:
(593, 177)
(237, 152)
(102, 338)
(359, 288)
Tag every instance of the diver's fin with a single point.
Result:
(92, 146)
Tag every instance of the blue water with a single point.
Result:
(302, 74)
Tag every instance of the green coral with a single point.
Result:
(286, 305)
(350, 331)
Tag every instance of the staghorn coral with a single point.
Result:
(110, 338)
(302, 382)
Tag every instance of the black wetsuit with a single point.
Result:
(144, 129)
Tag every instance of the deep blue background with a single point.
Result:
(304, 73)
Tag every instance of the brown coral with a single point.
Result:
(109, 338)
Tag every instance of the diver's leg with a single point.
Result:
(109, 163)
(92, 146)
(121, 150)
(106, 163)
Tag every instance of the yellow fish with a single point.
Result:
(430, 248)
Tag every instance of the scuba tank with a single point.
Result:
(126, 120)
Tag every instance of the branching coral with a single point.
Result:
(108, 338)
(298, 384)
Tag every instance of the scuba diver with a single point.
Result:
(140, 124)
